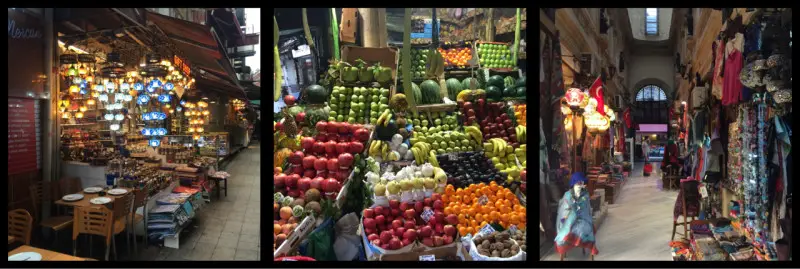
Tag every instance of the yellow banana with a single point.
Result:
(432, 159)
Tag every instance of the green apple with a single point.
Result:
(393, 187)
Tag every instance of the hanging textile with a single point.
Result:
(734, 178)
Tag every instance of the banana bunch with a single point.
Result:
(423, 153)
(475, 133)
(381, 149)
(497, 148)
(521, 133)
(384, 118)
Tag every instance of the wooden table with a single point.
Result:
(47, 255)
(86, 197)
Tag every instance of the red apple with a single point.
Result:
(448, 239)
(380, 219)
(289, 100)
(309, 173)
(407, 242)
(419, 206)
(399, 232)
(426, 231)
(316, 183)
(395, 244)
(332, 137)
(410, 234)
(379, 211)
(439, 229)
(385, 237)
(361, 135)
(428, 201)
(369, 223)
(320, 137)
(450, 230)
(394, 204)
(300, 118)
(438, 205)
(321, 164)
(344, 128)
(307, 143)
(319, 147)
(280, 181)
(409, 224)
(428, 241)
(452, 219)
(308, 161)
(373, 237)
(291, 181)
(330, 147)
(333, 164)
(296, 157)
(397, 224)
(395, 212)
(438, 241)
(403, 206)
(369, 213)
(439, 217)
(304, 184)
(345, 160)
(331, 185)
(356, 148)
(342, 147)
(411, 214)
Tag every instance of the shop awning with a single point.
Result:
(197, 43)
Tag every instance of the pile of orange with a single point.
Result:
(502, 207)
(456, 56)
(520, 112)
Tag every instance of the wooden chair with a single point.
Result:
(94, 220)
(122, 207)
(43, 191)
(688, 193)
(70, 185)
(20, 224)
(139, 200)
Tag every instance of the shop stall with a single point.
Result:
(415, 151)
(737, 133)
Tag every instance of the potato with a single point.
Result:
(486, 244)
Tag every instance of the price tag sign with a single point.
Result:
(483, 200)
(703, 191)
(512, 229)
(487, 229)
(452, 156)
(427, 214)
(427, 258)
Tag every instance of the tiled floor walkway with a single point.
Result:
(638, 227)
(227, 228)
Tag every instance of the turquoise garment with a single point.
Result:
(574, 219)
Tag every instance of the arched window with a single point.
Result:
(651, 93)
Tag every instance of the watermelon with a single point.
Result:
(496, 81)
(316, 94)
(466, 84)
(453, 88)
(521, 91)
(508, 81)
(493, 93)
(520, 82)
(416, 93)
(430, 92)
(509, 92)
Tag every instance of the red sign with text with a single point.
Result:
(23, 153)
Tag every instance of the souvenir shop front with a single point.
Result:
(735, 139)
(139, 137)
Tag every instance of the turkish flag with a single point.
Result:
(596, 92)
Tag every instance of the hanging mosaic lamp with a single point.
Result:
(143, 99)
(169, 86)
(114, 127)
(103, 98)
(164, 98)
(138, 86)
(109, 116)
(124, 86)
(72, 71)
(90, 102)
(119, 117)
(155, 142)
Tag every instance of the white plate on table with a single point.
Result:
(72, 197)
(25, 256)
(117, 191)
(92, 190)
(100, 200)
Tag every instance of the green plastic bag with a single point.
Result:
(319, 244)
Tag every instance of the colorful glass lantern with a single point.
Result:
(155, 142)
(138, 86)
(574, 97)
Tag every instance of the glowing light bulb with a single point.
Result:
(103, 98)
(114, 127)
(65, 115)
(79, 115)
(200, 130)
(119, 117)
(90, 101)
(187, 113)
(109, 116)
(71, 71)
(205, 113)
(191, 129)
(76, 80)
(83, 108)
(124, 86)
(74, 88)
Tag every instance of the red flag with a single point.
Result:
(596, 92)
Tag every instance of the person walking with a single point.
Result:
(646, 150)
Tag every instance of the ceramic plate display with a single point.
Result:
(92, 190)
(100, 200)
(25, 256)
(72, 197)
(118, 191)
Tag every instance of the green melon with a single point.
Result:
(496, 81)
(316, 94)
(430, 92)
(493, 93)
(453, 88)
(466, 84)
(521, 91)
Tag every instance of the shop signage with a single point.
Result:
(181, 65)
(23, 136)
(423, 28)
(26, 74)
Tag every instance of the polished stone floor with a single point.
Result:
(638, 227)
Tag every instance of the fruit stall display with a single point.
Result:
(456, 54)
(419, 63)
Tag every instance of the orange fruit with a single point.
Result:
(504, 217)
(276, 228)
(462, 217)
(519, 208)
(447, 210)
(514, 219)
(494, 215)
(470, 230)
(483, 224)
(474, 223)
(479, 217)
(510, 196)
(462, 230)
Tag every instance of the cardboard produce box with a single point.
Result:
(439, 253)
